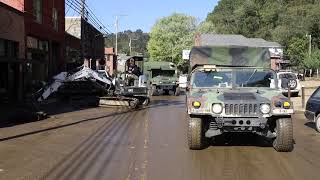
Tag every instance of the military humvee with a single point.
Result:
(162, 76)
(232, 89)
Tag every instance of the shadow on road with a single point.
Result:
(311, 125)
(65, 125)
(241, 139)
(80, 160)
(16, 114)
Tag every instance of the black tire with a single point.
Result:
(133, 104)
(293, 83)
(145, 102)
(289, 83)
(177, 91)
(284, 140)
(195, 134)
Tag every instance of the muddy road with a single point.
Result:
(101, 143)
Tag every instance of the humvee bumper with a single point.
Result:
(134, 91)
(166, 87)
(241, 122)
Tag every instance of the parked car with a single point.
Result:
(288, 80)
(313, 109)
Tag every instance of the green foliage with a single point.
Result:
(296, 50)
(206, 27)
(313, 62)
(139, 42)
(283, 21)
(170, 35)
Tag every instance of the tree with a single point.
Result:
(206, 27)
(170, 35)
(139, 42)
(312, 62)
(296, 50)
(285, 21)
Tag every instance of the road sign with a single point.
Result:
(185, 54)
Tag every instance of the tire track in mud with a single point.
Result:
(84, 164)
(83, 148)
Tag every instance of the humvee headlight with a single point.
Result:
(217, 108)
(196, 104)
(286, 105)
(265, 108)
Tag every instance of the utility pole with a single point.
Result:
(82, 40)
(130, 45)
(117, 29)
(83, 2)
(310, 43)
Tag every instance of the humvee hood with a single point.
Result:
(207, 97)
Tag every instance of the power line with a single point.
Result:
(69, 7)
(76, 9)
(91, 16)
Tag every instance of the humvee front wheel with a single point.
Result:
(284, 139)
(195, 133)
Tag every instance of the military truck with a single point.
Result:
(233, 90)
(162, 76)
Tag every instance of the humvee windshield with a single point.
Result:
(232, 77)
(165, 73)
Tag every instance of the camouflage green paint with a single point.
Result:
(162, 66)
(209, 96)
(230, 56)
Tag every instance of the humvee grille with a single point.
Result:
(241, 109)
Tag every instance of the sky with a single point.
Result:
(143, 14)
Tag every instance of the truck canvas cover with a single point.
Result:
(230, 56)
(159, 65)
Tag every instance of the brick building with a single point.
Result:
(45, 37)
(72, 52)
(12, 50)
(92, 40)
(110, 60)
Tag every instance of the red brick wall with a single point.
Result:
(45, 29)
(17, 4)
(12, 22)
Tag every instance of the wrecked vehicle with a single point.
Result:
(233, 90)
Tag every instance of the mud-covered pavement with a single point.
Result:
(101, 143)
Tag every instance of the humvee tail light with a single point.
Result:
(217, 108)
(286, 104)
(196, 104)
(265, 108)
